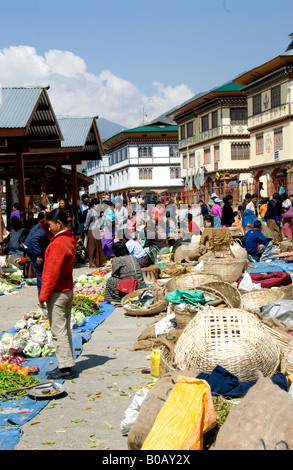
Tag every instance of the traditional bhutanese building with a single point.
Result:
(269, 92)
(214, 143)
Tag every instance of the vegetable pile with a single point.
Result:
(10, 380)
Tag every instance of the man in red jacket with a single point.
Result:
(57, 289)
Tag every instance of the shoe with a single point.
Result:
(57, 373)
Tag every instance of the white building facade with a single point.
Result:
(144, 161)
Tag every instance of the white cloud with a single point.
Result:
(74, 91)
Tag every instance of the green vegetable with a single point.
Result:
(10, 380)
(79, 317)
(6, 338)
(33, 350)
(48, 351)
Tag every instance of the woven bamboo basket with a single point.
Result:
(230, 293)
(228, 269)
(288, 291)
(184, 315)
(166, 361)
(232, 338)
(159, 305)
(257, 298)
(191, 280)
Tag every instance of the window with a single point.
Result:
(182, 132)
(214, 119)
(173, 151)
(259, 144)
(278, 139)
(192, 160)
(145, 173)
(240, 152)
(276, 96)
(175, 172)
(207, 156)
(238, 116)
(205, 123)
(190, 129)
(216, 153)
(185, 162)
(257, 104)
(144, 152)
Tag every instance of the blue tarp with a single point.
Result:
(18, 411)
(272, 267)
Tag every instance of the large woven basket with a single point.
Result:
(257, 298)
(288, 291)
(159, 305)
(230, 293)
(229, 269)
(191, 280)
(232, 338)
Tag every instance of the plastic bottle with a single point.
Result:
(155, 362)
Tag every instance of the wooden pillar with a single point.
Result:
(74, 184)
(44, 189)
(8, 193)
(21, 185)
(59, 180)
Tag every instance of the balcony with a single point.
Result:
(223, 130)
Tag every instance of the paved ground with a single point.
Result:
(89, 415)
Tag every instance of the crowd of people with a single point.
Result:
(54, 238)
(264, 220)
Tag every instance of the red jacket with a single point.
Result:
(58, 266)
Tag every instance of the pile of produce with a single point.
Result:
(90, 284)
(88, 305)
(8, 283)
(10, 380)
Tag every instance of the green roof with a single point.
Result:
(147, 129)
(229, 87)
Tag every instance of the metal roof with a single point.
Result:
(17, 105)
(75, 130)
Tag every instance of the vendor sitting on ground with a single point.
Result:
(135, 249)
(124, 266)
(256, 244)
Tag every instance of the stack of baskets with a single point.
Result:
(256, 299)
(159, 305)
(229, 293)
(232, 338)
(229, 269)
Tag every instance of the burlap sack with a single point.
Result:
(286, 246)
(261, 421)
(150, 408)
(147, 339)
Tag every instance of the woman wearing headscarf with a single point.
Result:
(216, 212)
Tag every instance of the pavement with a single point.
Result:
(89, 414)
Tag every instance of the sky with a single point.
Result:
(129, 61)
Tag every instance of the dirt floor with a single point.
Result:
(89, 414)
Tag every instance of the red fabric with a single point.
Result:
(271, 279)
(58, 266)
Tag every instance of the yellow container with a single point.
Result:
(155, 362)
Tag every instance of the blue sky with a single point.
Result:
(115, 58)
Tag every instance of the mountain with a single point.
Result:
(107, 128)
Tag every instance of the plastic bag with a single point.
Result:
(132, 411)
(247, 284)
(187, 414)
(165, 325)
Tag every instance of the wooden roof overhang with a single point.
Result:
(37, 156)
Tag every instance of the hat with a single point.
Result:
(218, 200)
(214, 195)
